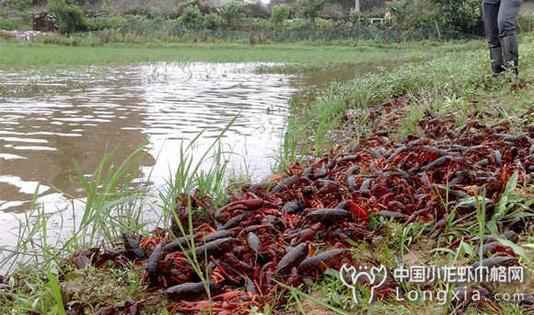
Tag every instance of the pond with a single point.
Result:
(58, 125)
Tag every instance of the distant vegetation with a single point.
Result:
(294, 20)
(300, 56)
(15, 14)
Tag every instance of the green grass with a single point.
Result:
(452, 79)
(24, 54)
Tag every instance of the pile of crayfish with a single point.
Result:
(292, 228)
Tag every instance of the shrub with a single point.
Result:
(464, 16)
(19, 5)
(325, 24)
(191, 18)
(259, 24)
(231, 14)
(141, 25)
(8, 25)
(295, 25)
(213, 21)
(105, 23)
(279, 14)
(448, 17)
(414, 14)
(310, 9)
(70, 18)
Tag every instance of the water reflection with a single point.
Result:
(56, 126)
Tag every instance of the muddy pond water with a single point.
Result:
(56, 125)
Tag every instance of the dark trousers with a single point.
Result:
(500, 19)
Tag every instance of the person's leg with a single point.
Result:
(491, 14)
(507, 23)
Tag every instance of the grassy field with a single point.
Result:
(23, 54)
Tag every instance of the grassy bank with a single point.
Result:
(455, 80)
(456, 86)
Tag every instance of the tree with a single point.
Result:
(310, 9)
(449, 18)
(19, 5)
(464, 16)
(279, 14)
(231, 13)
(191, 18)
(70, 17)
